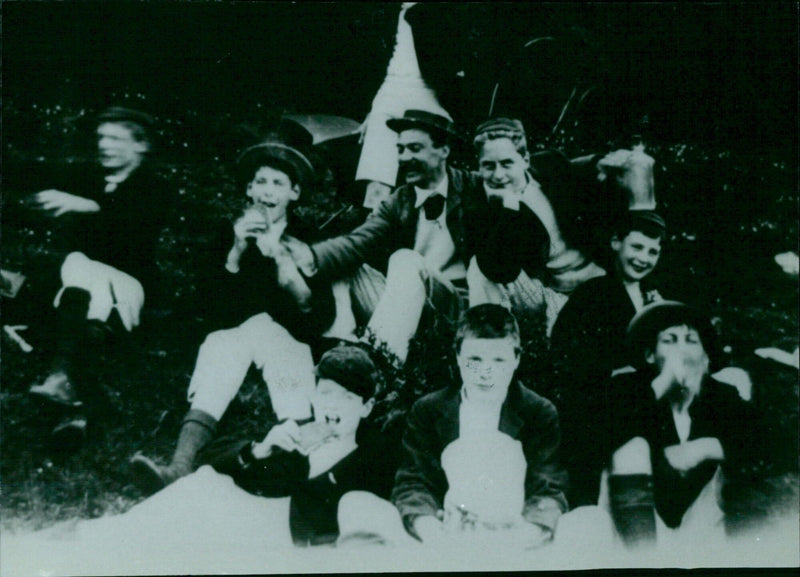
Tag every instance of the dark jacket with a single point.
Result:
(230, 299)
(421, 484)
(394, 227)
(314, 503)
(587, 344)
(125, 232)
(588, 339)
(717, 411)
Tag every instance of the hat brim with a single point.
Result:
(643, 329)
(254, 156)
(398, 125)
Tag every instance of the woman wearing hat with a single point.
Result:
(677, 436)
(277, 313)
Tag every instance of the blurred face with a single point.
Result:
(487, 367)
(637, 255)
(336, 406)
(502, 168)
(420, 162)
(681, 348)
(274, 190)
(117, 149)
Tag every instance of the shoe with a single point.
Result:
(147, 475)
(57, 388)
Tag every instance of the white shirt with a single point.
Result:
(478, 416)
(433, 239)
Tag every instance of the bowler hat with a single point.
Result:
(647, 323)
(285, 146)
(424, 120)
(122, 114)
(351, 367)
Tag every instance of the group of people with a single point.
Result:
(485, 458)
(641, 444)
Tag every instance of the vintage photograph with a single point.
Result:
(338, 287)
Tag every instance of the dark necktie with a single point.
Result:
(433, 206)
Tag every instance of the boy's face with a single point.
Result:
(502, 168)
(419, 160)
(637, 255)
(338, 407)
(487, 367)
(117, 148)
(273, 189)
(681, 350)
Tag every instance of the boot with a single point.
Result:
(633, 509)
(70, 330)
(197, 430)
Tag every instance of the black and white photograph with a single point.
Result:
(381, 287)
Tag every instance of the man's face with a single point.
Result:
(273, 189)
(680, 347)
(420, 162)
(117, 148)
(637, 255)
(502, 168)
(487, 367)
(338, 407)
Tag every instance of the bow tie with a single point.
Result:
(434, 206)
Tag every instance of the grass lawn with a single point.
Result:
(729, 213)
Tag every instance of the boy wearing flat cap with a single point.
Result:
(107, 212)
(318, 462)
(680, 441)
(540, 244)
(273, 314)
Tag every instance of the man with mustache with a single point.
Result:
(417, 237)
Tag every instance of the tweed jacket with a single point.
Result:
(433, 423)
(394, 227)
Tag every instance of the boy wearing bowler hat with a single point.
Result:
(681, 442)
(274, 315)
(111, 214)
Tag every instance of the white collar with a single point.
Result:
(424, 194)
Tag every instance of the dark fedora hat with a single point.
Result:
(652, 319)
(424, 120)
(286, 147)
(123, 114)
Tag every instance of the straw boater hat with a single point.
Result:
(654, 318)
(122, 114)
(287, 147)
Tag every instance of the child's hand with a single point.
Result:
(672, 375)
(686, 456)
(251, 224)
(285, 436)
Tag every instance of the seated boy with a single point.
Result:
(587, 339)
(479, 458)
(682, 444)
(255, 284)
